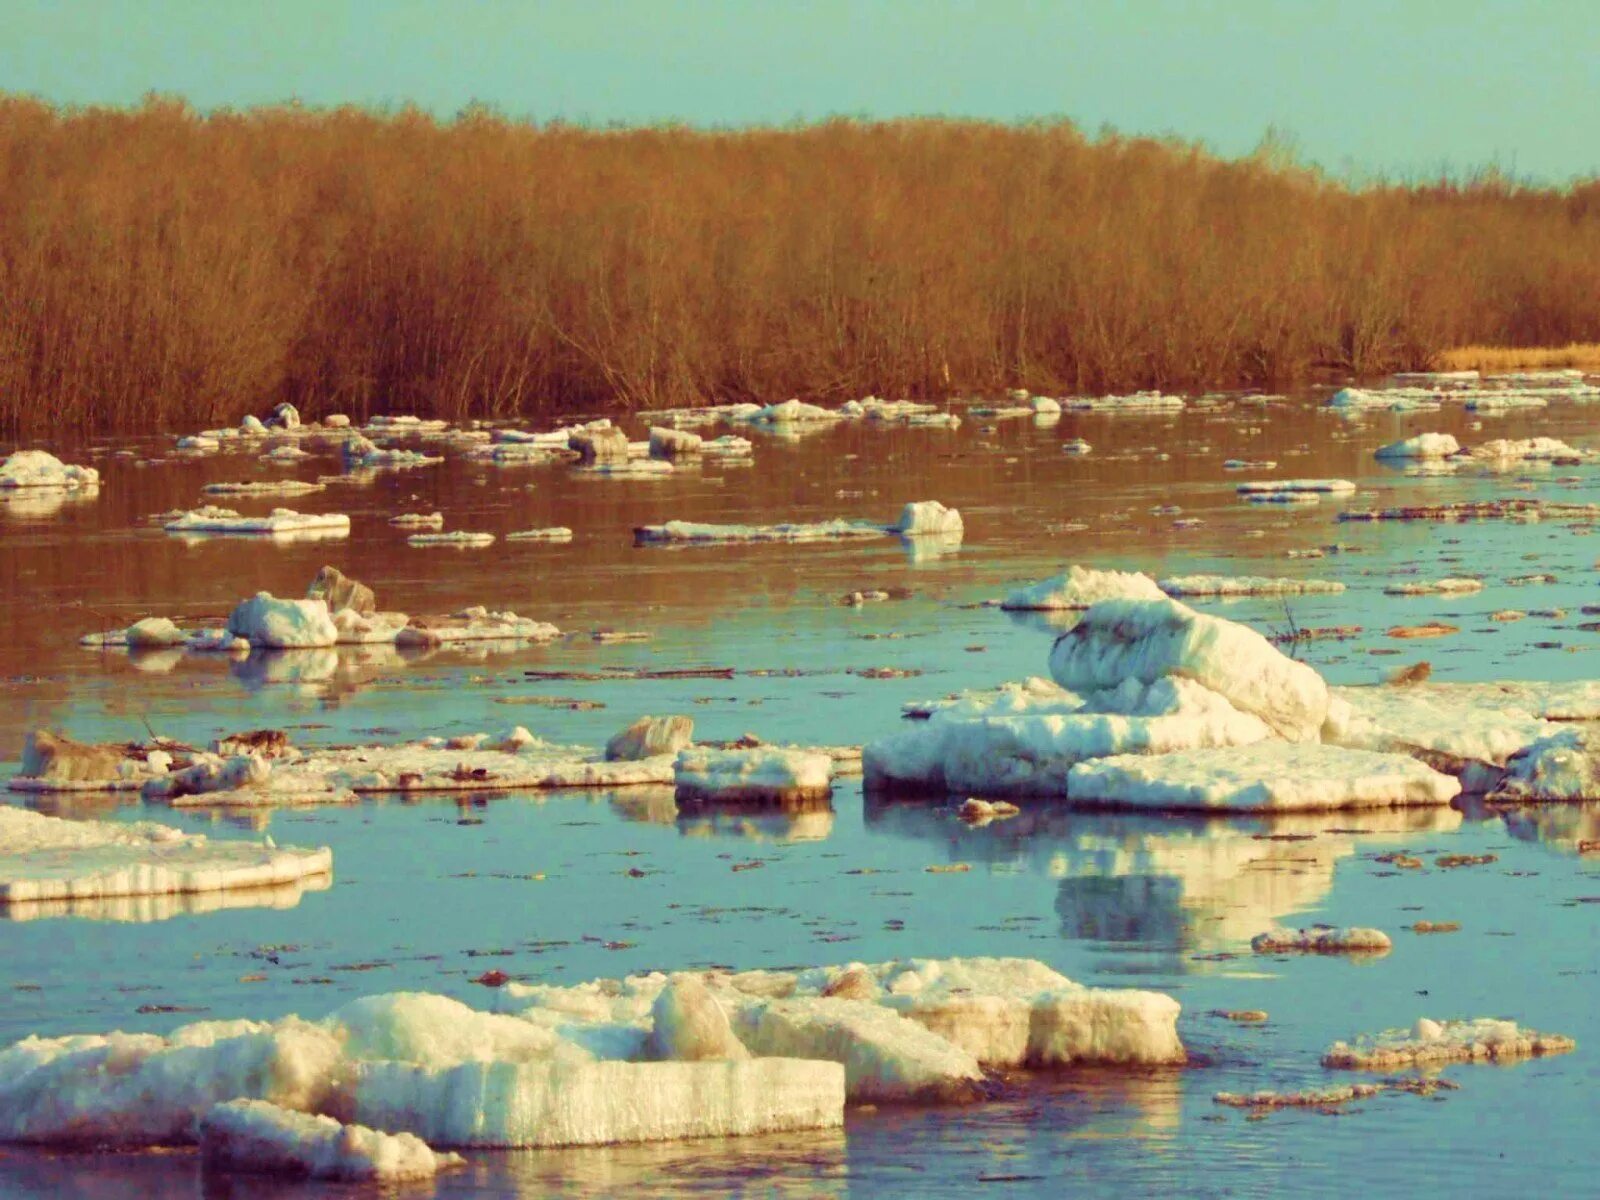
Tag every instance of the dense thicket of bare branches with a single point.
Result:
(158, 267)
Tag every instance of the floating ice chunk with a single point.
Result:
(361, 452)
(1079, 588)
(1435, 1043)
(405, 423)
(138, 1090)
(689, 532)
(1147, 640)
(1076, 446)
(46, 858)
(210, 519)
(339, 591)
(727, 446)
(649, 736)
(153, 632)
(210, 774)
(54, 763)
(433, 520)
(1266, 776)
(1535, 449)
(1138, 402)
(673, 443)
(599, 444)
(506, 1104)
(1338, 487)
(458, 538)
(1434, 587)
(928, 518)
(264, 487)
(1564, 765)
(199, 443)
(790, 412)
(266, 621)
(1323, 939)
(556, 533)
(1246, 585)
(1423, 445)
(1500, 401)
(257, 1137)
(38, 469)
(475, 624)
(1025, 744)
(764, 774)
(632, 468)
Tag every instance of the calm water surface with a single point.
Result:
(431, 892)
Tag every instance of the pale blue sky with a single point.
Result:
(1407, 86)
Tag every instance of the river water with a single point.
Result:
(429, 893)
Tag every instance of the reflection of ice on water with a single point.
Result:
(929, 547)
(792, 821)
(1564, 828)
(144, 909)
(37, 503)
(1168, 882)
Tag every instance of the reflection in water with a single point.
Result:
(141, 910)
(33, 504)
(1167, 882)
(794, 821)
(1563, 828)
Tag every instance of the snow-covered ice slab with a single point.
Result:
(1534, 449)
(763, 774)
(546, 1104)
(1336, 487)
(1423, 445)
(459, 538)
(47, 858)
(1469, 729)
(1138, 402)
(254, 1136)
(1323, 939)
(554, 533)
(1079, 588)
(928, 518)
(1434, 587)
(434, 520)
(1024, 741)
(1148, 640)
(38, 469)
(475, 624)
(266, 621)
(693, 533)
(213, 520)
(790, 412)
(1265, 777)
(1436, 1043)
(1246, 585)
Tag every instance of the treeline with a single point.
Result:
(159, 268)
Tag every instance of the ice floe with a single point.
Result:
(255, 1136)
(1264, 777)
(51, 859)
(210, 519)
(1423, 445)
(264, 487)
(1435, 1043)
(760, 775)
(461, 539)
(1246, 585)
(39, 469)
(1336, 487)
(1323, 939)
(555, 533)
(1434, 587)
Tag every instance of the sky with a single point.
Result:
(1404, 88)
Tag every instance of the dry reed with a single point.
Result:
(160, 268)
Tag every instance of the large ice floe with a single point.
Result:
(761, 774)
(920, 519)
(647, 1058)
(1154, 705)
(39, 469)
(211, 520)
(52, 860)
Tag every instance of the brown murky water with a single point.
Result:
(421, 900)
